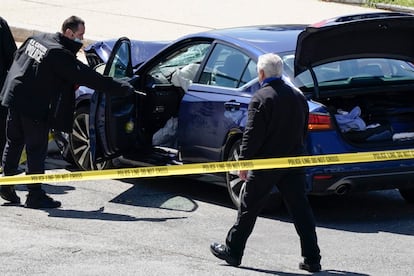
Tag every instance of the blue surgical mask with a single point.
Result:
(78, 40)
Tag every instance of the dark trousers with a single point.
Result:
(291, 184)
(26, 132)
(3, 118)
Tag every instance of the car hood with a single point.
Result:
(390, 37)
(141, 50)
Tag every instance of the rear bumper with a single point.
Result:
(362, 181)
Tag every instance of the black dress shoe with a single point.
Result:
(222, 252)
(311, 267)
(9, 194)
(40, 200)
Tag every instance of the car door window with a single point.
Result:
(120, 66)
(228, 67)
(166, 81)
(182, 63)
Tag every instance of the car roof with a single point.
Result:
(258, 39)
(382, 36)
(264, 38)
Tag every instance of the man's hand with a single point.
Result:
(243, 175)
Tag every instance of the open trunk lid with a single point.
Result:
(390, 35)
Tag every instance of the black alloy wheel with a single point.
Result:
(407, 194)
(236, 186)
(79, 142)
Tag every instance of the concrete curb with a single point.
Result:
(395, 8)
(20, 34)
(350, 2)
(390, 7)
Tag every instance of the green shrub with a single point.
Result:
(406, 3)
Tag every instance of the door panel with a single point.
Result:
(215, 105)
(161, 103)
(113, 127)
(206, 118)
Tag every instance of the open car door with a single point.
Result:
(112, 122)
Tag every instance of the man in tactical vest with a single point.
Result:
(39, 92)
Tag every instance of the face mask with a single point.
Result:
(77, 40)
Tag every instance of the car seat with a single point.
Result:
(372, 70)
(229, 74)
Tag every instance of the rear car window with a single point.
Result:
(228, 67)
(346, 72)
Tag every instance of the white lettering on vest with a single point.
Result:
(35, 50)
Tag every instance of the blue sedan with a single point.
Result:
(192, 97)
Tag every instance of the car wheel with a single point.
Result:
(79, 142)
(407, 194)
(62, 142)
(236, 186)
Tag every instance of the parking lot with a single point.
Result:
(163, 226)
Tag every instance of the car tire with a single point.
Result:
(79, 143)
(407, 194)
(235, 185)
(62, 142)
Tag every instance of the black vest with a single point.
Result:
(36, 85)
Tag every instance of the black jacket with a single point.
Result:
(277, 122)
(7, 49)
(43, 77)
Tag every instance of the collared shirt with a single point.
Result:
(270, 79)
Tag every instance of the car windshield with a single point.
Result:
(367, 70)
(192, 54)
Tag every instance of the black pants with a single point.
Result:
(26, 132)
(291, 184)
(3, 118)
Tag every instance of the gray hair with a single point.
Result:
(271, 64)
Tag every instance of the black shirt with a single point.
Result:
(277, 122)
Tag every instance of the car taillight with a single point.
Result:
(323, 177)
(319, 121)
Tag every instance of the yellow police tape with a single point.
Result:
(213, 167)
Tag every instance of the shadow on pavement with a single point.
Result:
(133, 195)
(101, 215)
(370, 212)
(51, 189)
(373, 212)
(170, 193)
(321, 273)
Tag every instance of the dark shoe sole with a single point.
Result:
(10, 201)
(40, 200)
(310, 267)
(12, 204)
(224, 256)
(57, 204)
(9, 194)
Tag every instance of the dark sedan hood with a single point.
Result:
(141, 50)
(391, 37)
